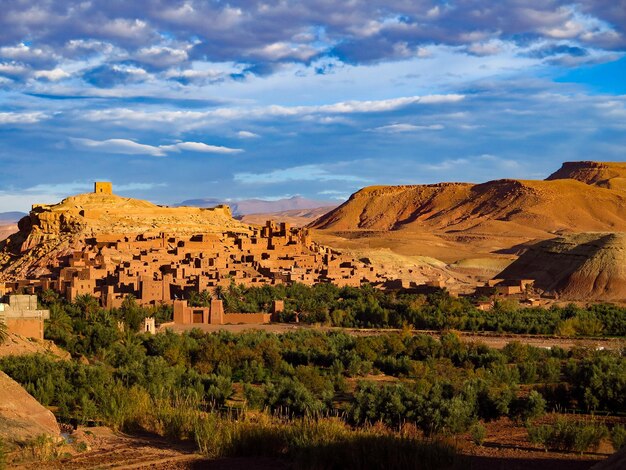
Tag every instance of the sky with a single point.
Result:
(175, 100)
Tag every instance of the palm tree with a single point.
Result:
(59, 325)
(87, 304)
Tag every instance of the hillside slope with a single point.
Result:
(576, 266)
(22, 418)
(529, 208)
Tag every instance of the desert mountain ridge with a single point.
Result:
(580, 197)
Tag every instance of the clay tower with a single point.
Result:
(103, 187)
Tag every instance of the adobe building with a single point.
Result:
(22, 316)
(103, 187)
(214, 315)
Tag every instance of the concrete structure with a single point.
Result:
(22, 316)
(103, 187)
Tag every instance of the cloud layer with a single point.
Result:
(246, 98)
(111, 43)
(130, 147)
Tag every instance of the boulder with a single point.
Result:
(22, 418)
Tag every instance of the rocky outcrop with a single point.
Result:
(610, 175)
(22, 418)
(589, 266)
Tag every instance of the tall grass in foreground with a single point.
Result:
(308, 443)
(318, 443)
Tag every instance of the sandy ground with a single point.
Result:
(17, 345)
(493, 340)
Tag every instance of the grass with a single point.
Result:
(307, 443)
(313, 444)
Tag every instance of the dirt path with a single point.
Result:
(494, 340)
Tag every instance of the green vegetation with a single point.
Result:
(311, 396)
(568, 434)
(618, 436)
(366, 307)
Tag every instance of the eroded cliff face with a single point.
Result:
(22, 418)
(50, 232)
(583, 266)
(604, 174)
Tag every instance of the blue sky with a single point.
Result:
(173, 100)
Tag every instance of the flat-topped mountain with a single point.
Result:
(534, 209)
(604, 174)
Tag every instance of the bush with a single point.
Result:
(478, 433)
(530, 408)
(618, 436)
(564, 434)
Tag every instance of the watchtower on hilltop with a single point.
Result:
(103, 187)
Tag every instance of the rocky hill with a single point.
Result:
(52, 231)
(528, 208)
(604, 174)
(576, 266)
(22, 418)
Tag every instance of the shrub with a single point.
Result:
(532, 407)
(618, 436)
(478, 433)
(569, 435)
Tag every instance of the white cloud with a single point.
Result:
(130, 147)
(247, 135)
(398, 128)
(198, 147)
(22, 118)
(298, 173)
(195, 119)
(52, 75)
(123, 146)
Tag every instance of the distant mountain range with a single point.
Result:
(260, 206)
(10, 217)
